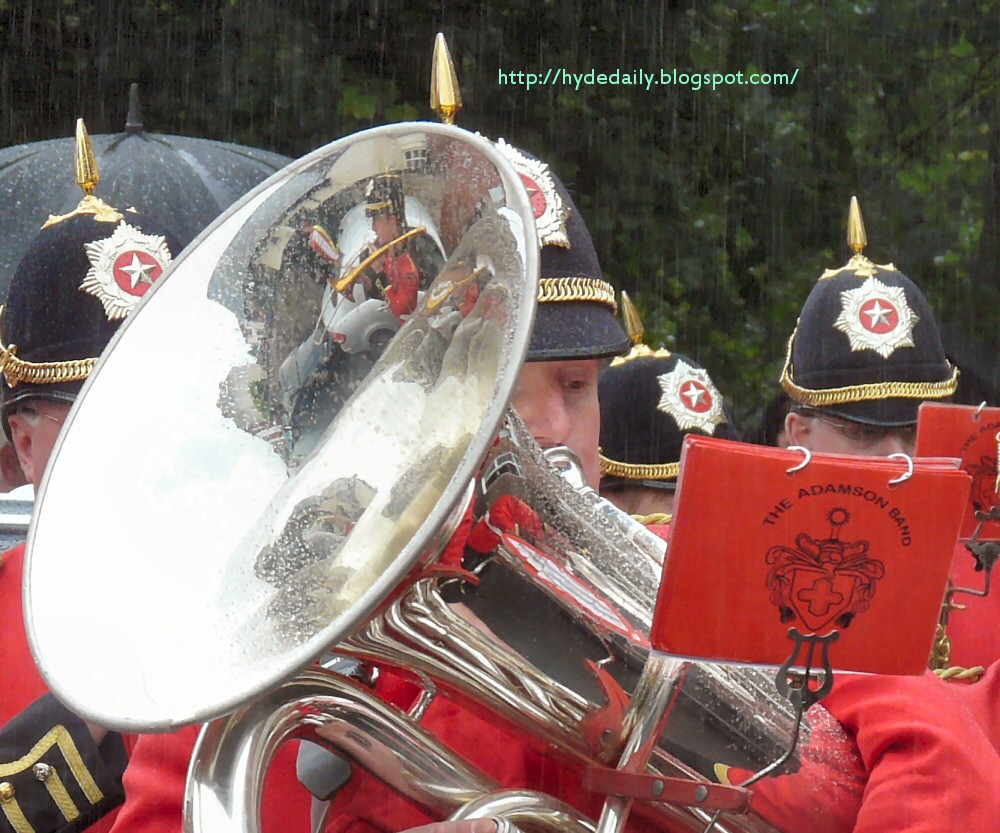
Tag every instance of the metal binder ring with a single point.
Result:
(909, 471)
(979, 410)
(804, 463)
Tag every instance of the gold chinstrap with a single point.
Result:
(640, 471)
(562, 290)
(17, 370)
(871, 391)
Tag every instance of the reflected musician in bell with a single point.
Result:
(79, 279)
(386, 252)
(865, 353)
(394, 275)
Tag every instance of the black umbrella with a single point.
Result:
(181, 182)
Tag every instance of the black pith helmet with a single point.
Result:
(385, 196)
(78, 280)
(650, 400)
(866, 346)
(576, 315)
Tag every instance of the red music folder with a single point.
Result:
(756, 549)
(969, 433)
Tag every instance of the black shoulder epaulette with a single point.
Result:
(53, 777)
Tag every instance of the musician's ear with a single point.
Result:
(798, 429)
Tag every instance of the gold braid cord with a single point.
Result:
(960, 675)
(17, 370)
(640, 471)
(656, 519)
(560, 290)
(863, 393)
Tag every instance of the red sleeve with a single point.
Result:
(154, 783)
(404, 283)
(824, 795)
(21, 684)
(931, 766)
(157, 773)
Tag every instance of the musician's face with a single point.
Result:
(386, 227)
(558, 403)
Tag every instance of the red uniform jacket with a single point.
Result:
(20, 682)
(404, 283)
(157, 773)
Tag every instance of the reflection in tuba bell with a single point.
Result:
(291, 498)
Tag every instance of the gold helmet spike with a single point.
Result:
(446, 98)
(87, 175)
(856, 237)
(636, 332)
(633, 324)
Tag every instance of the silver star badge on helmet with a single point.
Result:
(876, 317)
(123, 267)
(550, 211)
(690, 398)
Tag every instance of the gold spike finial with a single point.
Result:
(856, 237)
(87, 175)
(636, 332)
(633, 324)
(446, 98)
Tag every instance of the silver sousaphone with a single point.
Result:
(202, 540)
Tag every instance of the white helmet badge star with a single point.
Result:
(550, 211)
(123, 267)
(876, 317)
(690, 398)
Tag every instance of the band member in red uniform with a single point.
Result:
(865, 352)
(395, 274)
(78, 280)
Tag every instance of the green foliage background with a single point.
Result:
(716, 209)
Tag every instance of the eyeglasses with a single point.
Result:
(861, 434)
(36, 413)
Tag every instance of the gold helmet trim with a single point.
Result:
(639, 471)
(872, 391)
(562, 290)
(16, 370)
